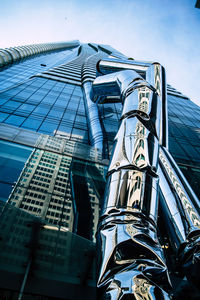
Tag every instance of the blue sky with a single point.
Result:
(167, 31)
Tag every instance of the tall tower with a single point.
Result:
(55, 146)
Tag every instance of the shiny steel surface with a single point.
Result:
(155, 76)
(95, 131)
(130, 205)
(135, 147)
(184, 182)
(184, 218)
(131, 191)
(132, 262)
(190, 213)
(114, 83)
(87, 77)
(110, 65)
(131, 258)
(177, 232)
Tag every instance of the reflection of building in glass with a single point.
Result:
(52, 173)
(47, 184)
(44, 189)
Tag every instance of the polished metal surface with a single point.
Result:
(177, 232)
(154, 73)
(184, 219)
(95, 130)
(131, 258)
(135, 147)
(110, 65)
(190, 213)
(131, 197)
(118, 82)
(88, 75)
(131, 191)
(184, 182)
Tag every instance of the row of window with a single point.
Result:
(56, 214)
(31, 201)
(64, 210)
(35, 195)
(31, 208)
(40, 117)
(53, 221)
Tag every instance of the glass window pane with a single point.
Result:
(55, 113)
(3, 116)
(48, 127)
(12, 104)
(27, 107)
(32, 123)
(69, 116)
(41, 110)
(15, 120)
(12, 160)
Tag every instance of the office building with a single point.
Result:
(55, 147)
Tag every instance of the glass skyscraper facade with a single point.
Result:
(54, 161)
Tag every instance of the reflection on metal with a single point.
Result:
(169, 207)
(111, 65)
(88, 75)
(132, 191)
(180, 212)
(96, 135)
(186, 205)
(154, 73)
(193, 198)
(132, 261)
(136, 148)
(127, 232)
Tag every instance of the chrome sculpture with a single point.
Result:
(131, 258)
(132, 261)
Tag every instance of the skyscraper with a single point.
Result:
(56, 143)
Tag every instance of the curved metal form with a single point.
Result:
(183, 218)
(88, 76)
(154, 73)
(132, 262)
(110, 65)
(95, 130)
(132, 185)
(13, 54)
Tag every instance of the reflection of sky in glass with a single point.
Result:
(12, 160)
(174, 26)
